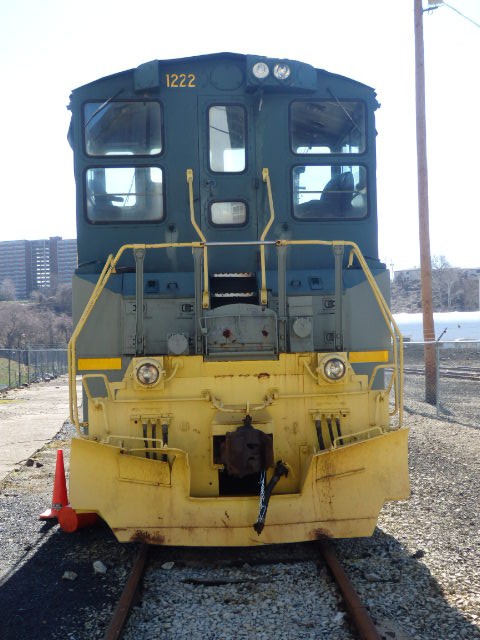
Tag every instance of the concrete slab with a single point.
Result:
(30, 417)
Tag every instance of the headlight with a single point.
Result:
(281, 71)
(148, 373)
(334, 369)
(260, 70)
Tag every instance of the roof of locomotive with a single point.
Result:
(222, 56)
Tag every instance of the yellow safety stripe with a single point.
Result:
(94, 364)
(368, 356)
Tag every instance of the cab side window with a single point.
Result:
(329, 191)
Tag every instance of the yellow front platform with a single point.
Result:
(149, 500)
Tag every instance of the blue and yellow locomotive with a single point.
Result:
(239, 361)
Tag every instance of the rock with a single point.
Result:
(99, 567)
(69, 575)
(372, 577)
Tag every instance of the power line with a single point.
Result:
(440, 3)
(462, 14)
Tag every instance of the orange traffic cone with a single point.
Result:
(59, 499)
(70, 521)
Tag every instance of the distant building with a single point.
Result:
(15, 264)
(407, 275)
(415, 274)
(66, 260)
(472, 273)
(37, 264)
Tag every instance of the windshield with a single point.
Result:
(327, 126)
(123, 128)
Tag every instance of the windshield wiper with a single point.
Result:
(101, 108)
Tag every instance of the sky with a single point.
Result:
(49, 48)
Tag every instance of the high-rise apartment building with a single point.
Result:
(37, 264)
(15, 265)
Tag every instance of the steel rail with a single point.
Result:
(364, 624)
(124, 605)
(446, 373)
(360, 617)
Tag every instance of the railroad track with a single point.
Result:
(459, 373)
(364, 628)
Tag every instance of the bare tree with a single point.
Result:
(471, 293)
(445, 280)
(7, 289)
(440, 262)
(17, 326)
(63, 328)
(24, 324)
(63, 299)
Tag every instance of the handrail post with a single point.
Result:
(139, 254)
(338, 250)
(282, 295)
(197, 274)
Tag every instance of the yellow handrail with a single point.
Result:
(192, 208)
(107, 271)
(110, 265)
(72, 353)
(206, 293)
(263, 288)
(392, 326)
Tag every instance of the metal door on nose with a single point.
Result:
(229, 181)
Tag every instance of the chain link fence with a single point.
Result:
(456, 381)
(20, 367)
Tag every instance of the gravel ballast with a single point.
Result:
(419, 574)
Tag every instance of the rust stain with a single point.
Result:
(147, 538)
(316, 534)
(188, 529)
(266, 376)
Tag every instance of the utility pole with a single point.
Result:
(423, 219)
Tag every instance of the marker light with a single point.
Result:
(281, 71)
(148, 373)
(260, 70)
(334, 369)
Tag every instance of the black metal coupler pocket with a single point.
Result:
(247, 450)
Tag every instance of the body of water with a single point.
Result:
(459, 325)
